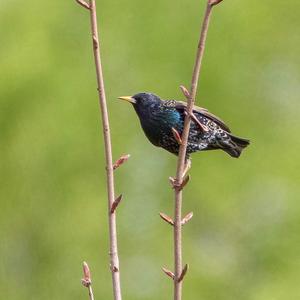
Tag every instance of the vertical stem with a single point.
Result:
(182, 152)
(177, 245)
(87, 280)
(91, 294)
(113, 251)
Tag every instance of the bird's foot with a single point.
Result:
(187, 166)
(177, 136)
(179, 185)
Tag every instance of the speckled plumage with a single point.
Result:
(158, 117)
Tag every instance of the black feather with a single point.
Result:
(159, 117)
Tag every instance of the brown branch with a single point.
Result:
(113, 247)
(182, 153)
(87, 280)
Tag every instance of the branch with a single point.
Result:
(190, 95)
(87, 280)
(113, 247)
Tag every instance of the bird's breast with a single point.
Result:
(159, 125)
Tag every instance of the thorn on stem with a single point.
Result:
(83, 4)
(177, 136)
(121, 161)
(86, 280)
(115, 204)
(185, 92)
(183, 273)
(187, 218)
(168, 273)
(166, 218)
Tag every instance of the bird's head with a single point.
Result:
(143, 103)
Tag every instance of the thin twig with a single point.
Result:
(87, 280)
(113, 251)
(182, 152)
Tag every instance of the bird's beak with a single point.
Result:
(128, 99)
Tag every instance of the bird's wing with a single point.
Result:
(180, 105)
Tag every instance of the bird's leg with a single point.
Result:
(180, 184)
(177, 136)
(187, 163)
(187, 166)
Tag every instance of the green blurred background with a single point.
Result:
(243, 242)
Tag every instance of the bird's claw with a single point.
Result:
(179, 185)
(187, 167)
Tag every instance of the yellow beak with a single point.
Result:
(128, 99)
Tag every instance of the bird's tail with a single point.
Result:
(236, 145)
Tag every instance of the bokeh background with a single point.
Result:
(243, 242)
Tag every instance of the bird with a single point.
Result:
(163, 121)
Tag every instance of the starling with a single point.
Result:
(163, 122)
